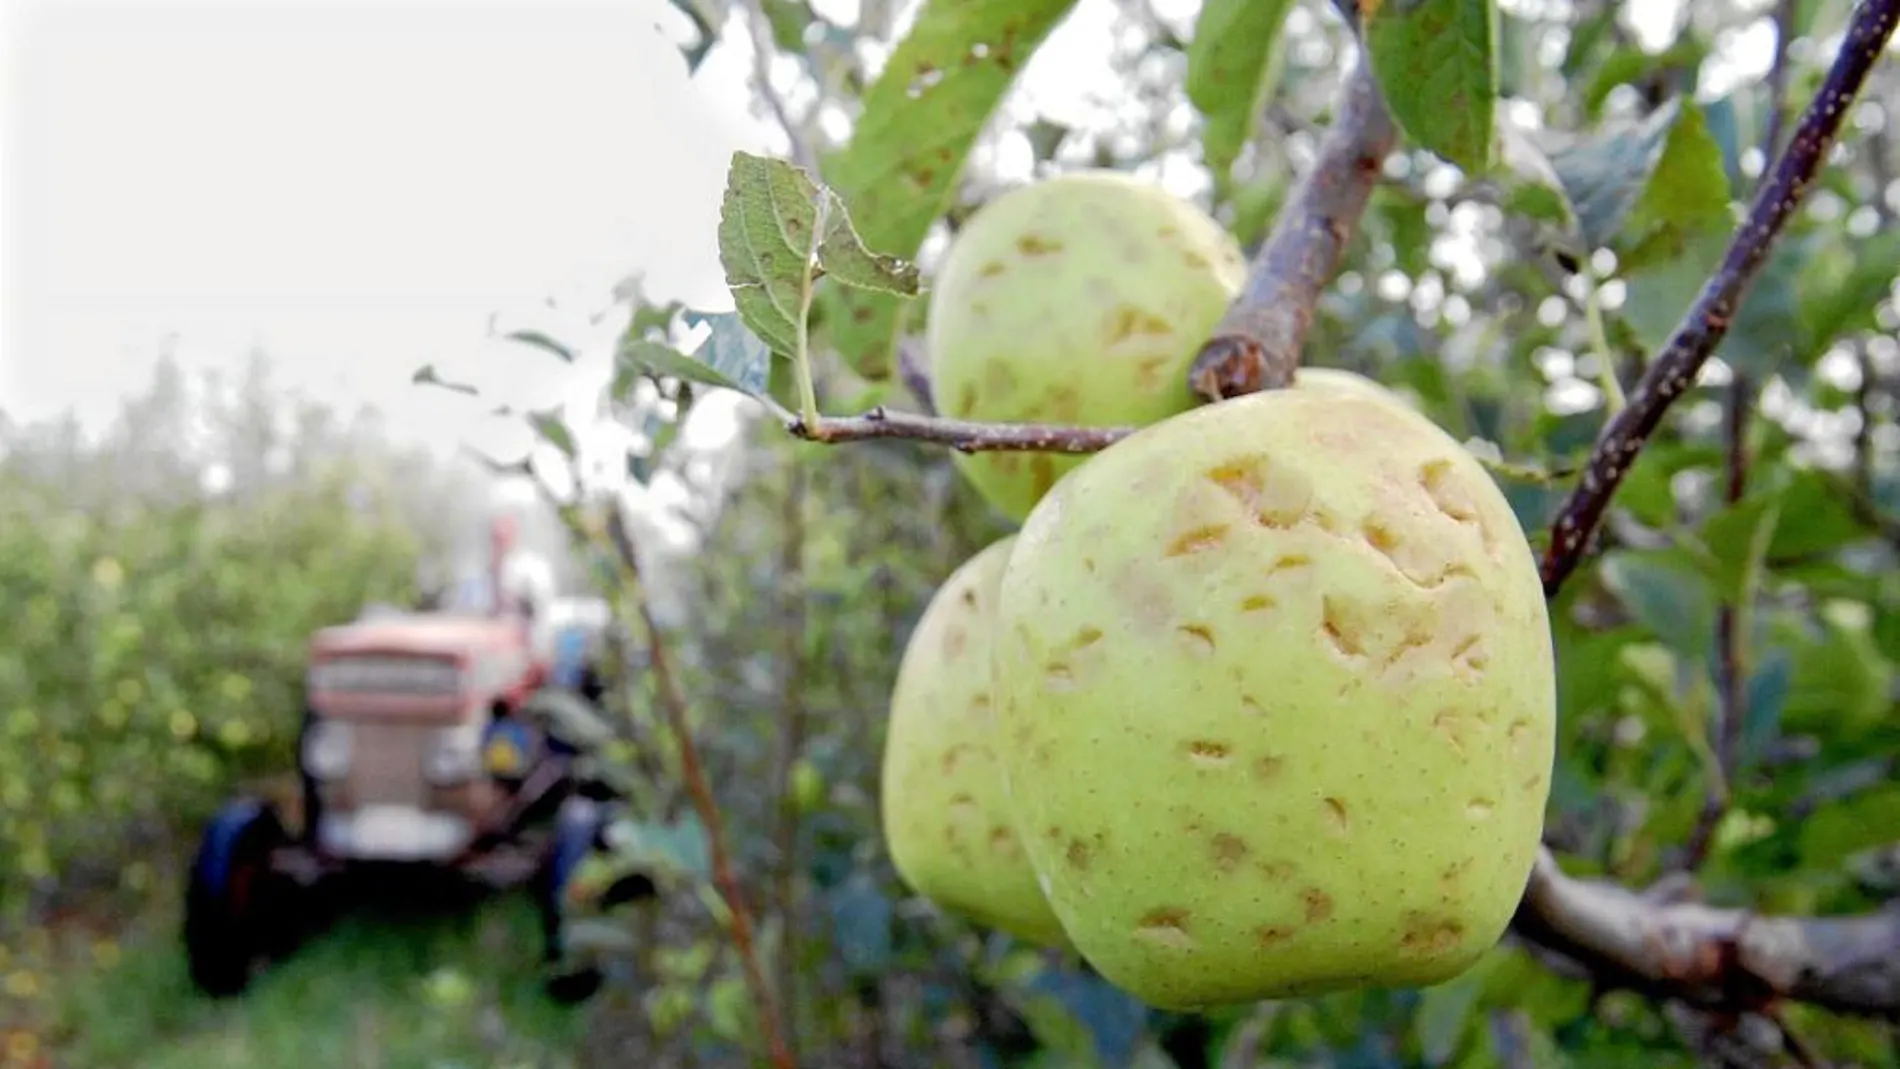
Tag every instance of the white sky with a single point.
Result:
(357, 186)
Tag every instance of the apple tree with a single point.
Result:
(1634, 308)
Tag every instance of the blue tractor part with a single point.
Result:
(571, 647)
(577, 829)
(236, 903)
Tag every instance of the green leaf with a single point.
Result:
(1535, 188)
(1833, 833)
(899, 173)
(650, 317)
(549, 425)
(767, 242)
(428, 376)
(679, 848)
(775, 226)
(1658, 293)
(732, 358)
(1667, 593)
(1612, 176)
(1725, 128)
(1437, 65)
(706, 18)
(1766, 696)
(788, 19)
(1686, 195)
(733, 350)
(542, 342)
(597, 936)
(1233, 65)
(862, 916)
(1843, 285)
(1444, 1013)
(1766, 328)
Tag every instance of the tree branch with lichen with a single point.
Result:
(1707, 321)
(1709, 958)
(1257, 344)
(1718, 959)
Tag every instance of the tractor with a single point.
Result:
(440, 743)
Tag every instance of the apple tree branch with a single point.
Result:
(1257, 344)
(1706, 323)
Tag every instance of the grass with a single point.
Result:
(457, 988)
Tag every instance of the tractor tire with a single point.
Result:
(237, 908)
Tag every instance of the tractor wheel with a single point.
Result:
(576, 832)
(236, 905)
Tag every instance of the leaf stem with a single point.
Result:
(1731, 638)
(1706, 323)
(1614, 400)
(801, 360)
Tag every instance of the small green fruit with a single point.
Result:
(1081, 299)
(808, 786)
(1275, 692)
(946, 815)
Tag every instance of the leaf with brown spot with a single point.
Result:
(776, 225)
(1233, 67)
(900, 170)
(1437, 66)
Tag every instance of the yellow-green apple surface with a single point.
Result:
(946, 816)
(1275, 695)
(1341, 379)
(1080, 299)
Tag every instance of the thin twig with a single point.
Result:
(1707, 321)
(911, 368)
(1257, 343)
(1731, 675)
(967, 436)
(673, 704)
(791, 742)
(1777, 82)
(760, 27)
(1864, 393)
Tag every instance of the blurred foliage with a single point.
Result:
(161, 584)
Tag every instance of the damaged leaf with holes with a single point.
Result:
(778, 231)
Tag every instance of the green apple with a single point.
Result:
(1276, 700)
(946, 817)
(1338, 378)
(1081, 299)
